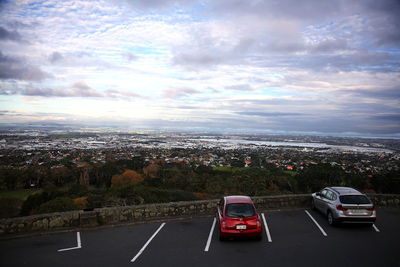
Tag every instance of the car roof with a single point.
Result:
(238, 199)
(345, 190)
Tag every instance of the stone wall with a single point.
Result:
(148, 212)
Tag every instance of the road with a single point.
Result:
(295, 240)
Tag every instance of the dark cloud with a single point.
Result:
(388, 117)
(82, 86)
(187, 107)
(130, 57)
(9, 35)
(78, 89)
(197, 59)
(331, 45)
(347, 45)
(240, 87)
(269, 114)
(121, 94)
(146, 5)
(305, 10)
(55, 57)
(179, 92)
(357, 60)
(378, 93)
(17, 68)
(382, 21)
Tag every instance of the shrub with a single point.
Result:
(135, 194)
(33, 202)
(57, 205)
(9, 207)
(81, 202)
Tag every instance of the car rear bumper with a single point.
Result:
(244, 233)
(359, 219)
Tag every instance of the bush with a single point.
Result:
(96, 198)
(136, 194)
(57, 205)
(9, 207)
(33, 202)
(81, 202)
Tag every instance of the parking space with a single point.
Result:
(295, 239)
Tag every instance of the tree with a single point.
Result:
(127, 177)
(151, 170)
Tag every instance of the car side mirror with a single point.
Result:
(318, 194)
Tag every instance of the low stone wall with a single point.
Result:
(385, 200)
(148, 212)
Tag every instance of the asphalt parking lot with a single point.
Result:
(293, 239)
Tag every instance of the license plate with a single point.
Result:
(357, 211)
(240, 227)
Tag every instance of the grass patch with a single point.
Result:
(21, 194)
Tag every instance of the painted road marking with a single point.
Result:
(320, 228)
(78, 241)
(376, 228)
(210, 236)
(266, 228)
(148, 242)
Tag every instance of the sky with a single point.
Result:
(284, 66)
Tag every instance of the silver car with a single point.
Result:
(344, 204)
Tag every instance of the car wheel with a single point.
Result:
(259, 238)
(331, 220)
(312, 204)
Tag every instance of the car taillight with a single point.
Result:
(371, 209)
(223, 224)
(340, 207)
(258, 224)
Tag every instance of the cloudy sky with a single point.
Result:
(233, 65)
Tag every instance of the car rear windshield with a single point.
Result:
(240, 210)
(354, 199)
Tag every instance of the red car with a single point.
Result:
(238, 217)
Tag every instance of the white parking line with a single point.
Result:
(210, 235)
(148, 242)
(376, 228)
(266, 228)
(78, 241)
(320, 228)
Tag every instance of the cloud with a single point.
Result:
(146, 5)
(197, 59)
(129, 56)
(269, 114)
(387, 117)
(55, 57)
(78, 89)
(121, 94)
(330, 45)
(249, 64)
(9, 35)
(17, 68)
(179, 92)
(375, 93)
(240, 87)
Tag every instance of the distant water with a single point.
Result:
(297, 144)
